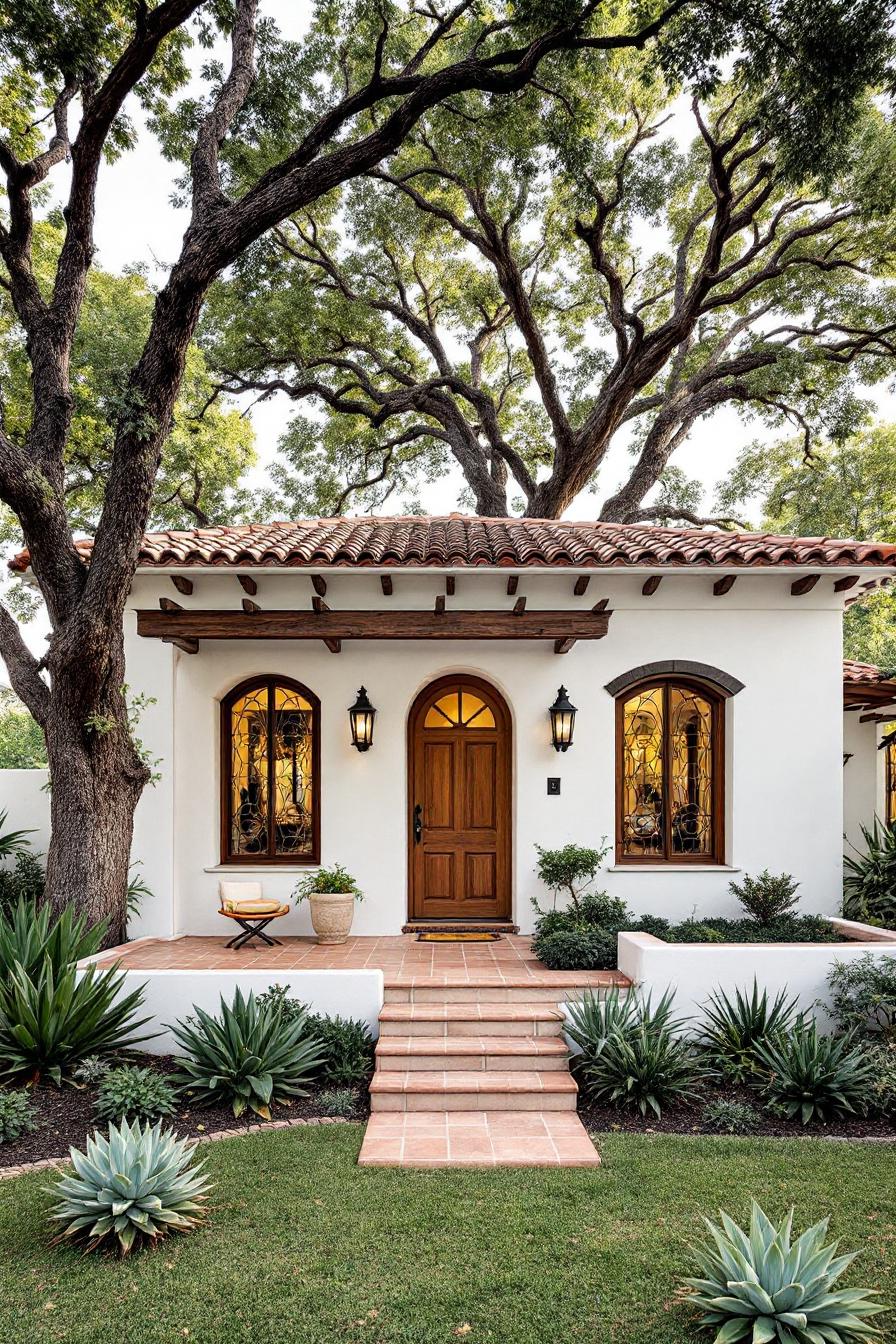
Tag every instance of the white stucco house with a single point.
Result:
(869, 749)
(705, 669)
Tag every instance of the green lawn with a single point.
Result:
(304, 1246)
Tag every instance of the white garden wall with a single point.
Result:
(26, 802)
(784, 735)
(694, 970)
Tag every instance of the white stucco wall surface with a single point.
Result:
(784, 804)
(26, 802)
(863, 778)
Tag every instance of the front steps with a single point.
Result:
(475, 1072)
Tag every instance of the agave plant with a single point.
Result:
(251, 1055)
(732, 1029)
(32, 933)
(816, 1077)
(765, 1287)
(130, 1188)
(12, 842)
(51, 1020)
(869, 883)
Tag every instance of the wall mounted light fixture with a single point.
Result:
(563, 719)
(361, 716)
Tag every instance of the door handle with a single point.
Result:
(418, 823)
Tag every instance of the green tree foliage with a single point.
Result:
(524, 282)
(22, 745)
(844, 489)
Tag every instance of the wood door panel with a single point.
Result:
(480, 785)
(459, 764)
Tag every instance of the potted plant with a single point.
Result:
(332, 893)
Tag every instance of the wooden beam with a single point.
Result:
(386, 584)
(387, 624)
(651, 584)
(247, 583)
(581, 585)
(804, 585)
(185, 645)
(250, 606)
(450, 585)
(169, 604)
(334, 645)
(519, 606)
(512, 584)
(849, 581)
(440, 605)
(319, 584)
(318, 604)
(563, 645)
(873, 718)
(601, 606)
(182, 585)
(724, 585)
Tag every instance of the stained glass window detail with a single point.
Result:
(669, 759)
(890, 773)
(459, 709)
(271, 785)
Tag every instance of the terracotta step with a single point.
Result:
(477, 1139)
(479, 1090)
(415, 1053)
(547, 988)
(470, 1019)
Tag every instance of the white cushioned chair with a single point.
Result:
(245, 903)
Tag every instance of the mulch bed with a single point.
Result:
(688, 1119)
(65, 1116)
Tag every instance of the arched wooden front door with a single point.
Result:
(459, 756)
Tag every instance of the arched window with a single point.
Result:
(270, 773)
(669, 773)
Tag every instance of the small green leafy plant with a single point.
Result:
(338, 1101)
(882, 1091)
(731, 1029)
(25, 881)
(765, 1287)
(130, 1188)
(250, 1055)
(863, 996)
(816, 1077)
(767, 897)
(135, 1094)
(347, 1049)
(91, 1069)
(632, 1053)
(869, 883)
(328, 881)
(730, 1117)
(570, 870)
(16, 1115)
(50, 1021)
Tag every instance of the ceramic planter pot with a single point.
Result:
(331, 915)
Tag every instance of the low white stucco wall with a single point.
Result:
(25, 800)
(695, 970)
(170, 996)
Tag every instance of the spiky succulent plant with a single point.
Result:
(766, 1287)
(129, 1188)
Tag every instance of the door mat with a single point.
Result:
(459, 937)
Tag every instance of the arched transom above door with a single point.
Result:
(460, 707)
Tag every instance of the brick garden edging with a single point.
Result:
(41, 1165)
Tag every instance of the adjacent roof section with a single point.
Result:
(461, 541)
(866, 686)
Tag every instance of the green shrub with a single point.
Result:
(22, 744)
(50, 1021)
(766, 897)
(731, 1030)
(763, 1286)
(863, 995)
(341, 1101)
(31, 934)
(11, 842)
(869, 883)
(130, 1188)
(787, 929)
(633, 1055)
(327, 880)
(16, 1115)
(576, 950)
(346, 1047)
(250, 1056)
(133, 1093)
(882, 1094)
(816, 1077)
(23, 882)
(730, 1117)
(569, 870)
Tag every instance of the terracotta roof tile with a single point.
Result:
(463, 541)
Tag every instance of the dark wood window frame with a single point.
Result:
(268, 859)
(669, 856)
(890, 779)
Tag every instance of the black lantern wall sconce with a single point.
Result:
(563, 720)
(361, 716)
